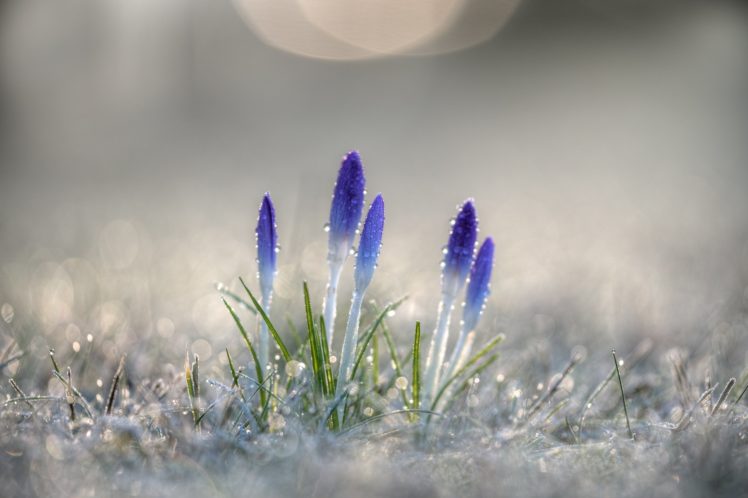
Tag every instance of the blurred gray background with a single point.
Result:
(604, 143)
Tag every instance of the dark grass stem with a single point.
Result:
(623, 396)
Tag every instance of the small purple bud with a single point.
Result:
(347, 205)
(478, 288)
(370, 244)
(460, 249)
(267, 243)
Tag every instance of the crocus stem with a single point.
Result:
(454, 359)
(349, 348)
(438, 348)
(264, 346)
(331, 298)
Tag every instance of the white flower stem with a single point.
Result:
(438, 349)
(264, 336)
(336, 268)
(349, 348)
(456, 356)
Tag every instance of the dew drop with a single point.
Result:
(401, 383)
(326, 227)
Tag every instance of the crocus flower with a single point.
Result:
(477, 292)
(455, 267)
(366, 261)
(478, 287)
(345, 215)
(267, 246)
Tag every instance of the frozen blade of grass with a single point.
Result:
(623, 396)
(573, 362)
(686, 419)
(196, 376)
(467, 366)
(190, 389)
(476, 371)
(407, 411)
(69, 396)
(223, 289)
(742, 393)
(115, 383)
(20, 392)
(81, 400)
(722, 397)
(416, 381)
(641, 352)
(371, 330)
(243, 332)
(31, 398)
(266, 319)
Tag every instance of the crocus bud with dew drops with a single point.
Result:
(366, 261)
(455, 268)
(479, 285)
(369, 245)
(345, 215)
(478, 289)
(460, 249)
(266, 235)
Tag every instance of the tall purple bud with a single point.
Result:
(345, 214)
(456, 265)
(460, 249)
(267, 245)
(346, 208)
(366, 261)
(370, 244)
(266, 234)
(478, 287)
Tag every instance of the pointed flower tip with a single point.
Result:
(461, 246)
(347, 204)
(479, 286)
(267, 242)
(370, 244)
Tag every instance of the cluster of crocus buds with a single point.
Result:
(461, 265)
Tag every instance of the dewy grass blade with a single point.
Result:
(271, 328)
(223, 289)
(330, 380)
(472, 361)
(476, 371)
(416, 381)
(623, 396)
(243, 332)
(190, 389)
(314, 347)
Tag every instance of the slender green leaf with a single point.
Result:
(472, 361)
(243, 332)
(314, 346)
(271, 328)
(416, 381)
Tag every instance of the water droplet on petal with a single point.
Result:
(326, 227)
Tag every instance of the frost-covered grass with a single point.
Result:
(517, 431)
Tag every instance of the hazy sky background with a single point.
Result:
(604, 143)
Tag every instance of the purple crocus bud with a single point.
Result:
(347, 205)
(460, 249)
(478, 287)
(267, 244)
(370, 244)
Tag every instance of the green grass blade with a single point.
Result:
(314, 347)
(243, 332)
(472, 361)
(329, 379)
(416, 380)
(271, 328)
(223, 289)
(489, 361)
